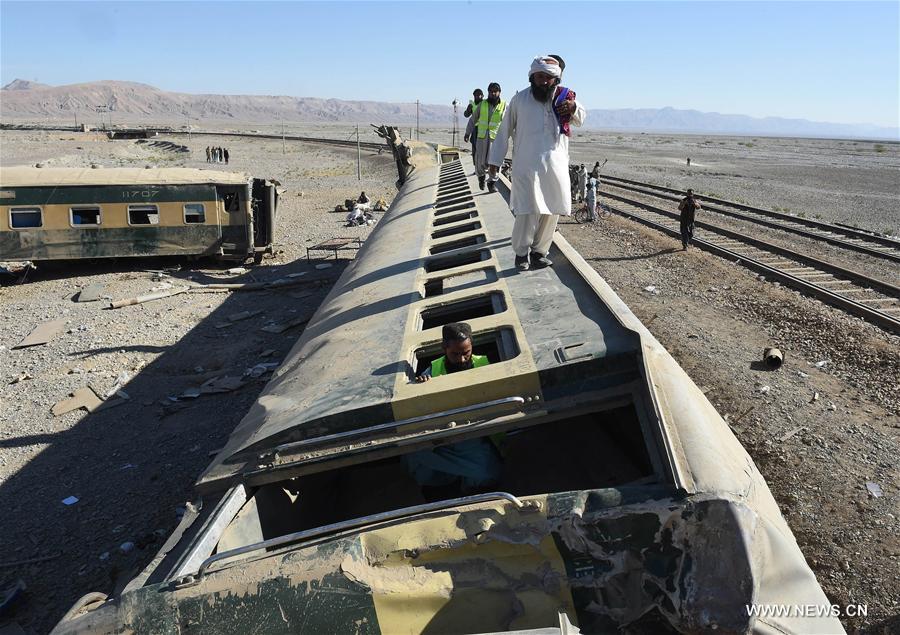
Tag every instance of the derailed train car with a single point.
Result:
(625, 503)
(74, 213)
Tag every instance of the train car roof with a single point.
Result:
(334, 394)
(26, 176)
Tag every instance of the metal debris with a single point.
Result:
(42, 333)
(82, 398)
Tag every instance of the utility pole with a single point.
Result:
(283, 151)
(358, 156)
(454, 126)
(417, 119)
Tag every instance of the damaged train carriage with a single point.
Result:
(624, 502)
(73, 213)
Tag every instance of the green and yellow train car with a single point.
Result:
(74, 213)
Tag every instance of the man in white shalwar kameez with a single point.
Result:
(541, 188)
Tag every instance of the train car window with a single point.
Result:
(455, 218)
(442, 263)
(459, 243)
(194, 213)
(461, 229)
(143, 215)
(232, 201)
(26, 217)
(463, 310)
(465, 280)
(498, 344)
(84, 216)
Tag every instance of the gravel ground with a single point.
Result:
(132, 466)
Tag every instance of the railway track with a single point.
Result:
(869, 243)
(875, 300)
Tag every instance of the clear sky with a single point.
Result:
(824, 61)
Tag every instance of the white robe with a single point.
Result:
(540, 167)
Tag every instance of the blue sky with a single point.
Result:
(824, 61)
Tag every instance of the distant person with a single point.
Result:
(540, 169)
(489, 117)
(477, 97)
(688, 208)
(208, 154)
(689, 161)
(225, 154)
(595, 173)
(582, 181)
(363, 199)
(591, 198)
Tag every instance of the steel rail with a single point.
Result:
(818, 291)
(637, 186)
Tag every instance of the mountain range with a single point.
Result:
(134, 103)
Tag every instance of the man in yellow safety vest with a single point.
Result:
(456, 340)
(488, 116)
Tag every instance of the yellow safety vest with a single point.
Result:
(492, 126)
(438, 366)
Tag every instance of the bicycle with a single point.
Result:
(582, 215)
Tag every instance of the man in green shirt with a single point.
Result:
(457, 344)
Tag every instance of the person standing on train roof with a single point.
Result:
(477, 97)
(688, 207)
(489, 116)
(537, 120)
(456, 340)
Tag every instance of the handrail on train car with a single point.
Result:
(525, 506)
(340, 436)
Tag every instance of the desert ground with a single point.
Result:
(819, 432)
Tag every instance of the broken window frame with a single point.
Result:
(31, 209)
(201, 213)
(144, 207)
(85, 208)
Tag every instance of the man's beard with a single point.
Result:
(455, 368)
(542, 93)
(477, 100)
(493, 101)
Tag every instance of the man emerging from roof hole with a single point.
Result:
(463, 468)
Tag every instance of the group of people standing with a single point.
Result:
(216, 155)
(537, 120)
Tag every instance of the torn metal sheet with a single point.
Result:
(43, 333)
(91, 293)
(82, 398)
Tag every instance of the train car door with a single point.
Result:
(263, 206)
(237, 226)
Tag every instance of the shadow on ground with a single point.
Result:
(133, 466)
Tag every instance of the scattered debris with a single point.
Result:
(651, 289)
(104, 555)
(91, 293)
(24, 375)
(42, 334)
(650, 321)
(815, 397)
(297, 275)
(82, 398)
(764, 389)
(261, 369)
(802, 375)
(221, 384)
(744, 414)
(284, 326)
(821, 364)
(237, 270)
(118, 304)
(324, 265)
(773, 357)
(70, 500)
(126, 547)
(788, 435)
(874, 489)
(268, 352)
(243, 315)
(16, 563)
(831, 406)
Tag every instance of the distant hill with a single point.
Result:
(131, 102)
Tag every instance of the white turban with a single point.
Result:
(545, 64)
